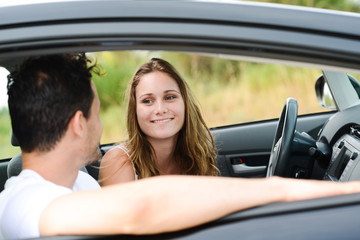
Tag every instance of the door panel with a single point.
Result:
(244, 150)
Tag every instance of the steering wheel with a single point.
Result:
(284, 135)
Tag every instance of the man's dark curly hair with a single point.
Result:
(44, 94)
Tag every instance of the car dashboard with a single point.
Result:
(345, 162)
(341, 136)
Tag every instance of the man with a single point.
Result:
(54, 110)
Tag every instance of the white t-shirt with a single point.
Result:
(26, 196)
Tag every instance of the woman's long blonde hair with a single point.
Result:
(195, 148)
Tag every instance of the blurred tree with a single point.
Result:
(342, 5)
(119, 68)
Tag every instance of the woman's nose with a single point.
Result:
(161, 107)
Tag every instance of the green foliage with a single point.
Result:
(342, 5)
(6, 150)
(203, 68)
(117, 69)
(4, 122)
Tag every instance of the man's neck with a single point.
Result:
(52, 167)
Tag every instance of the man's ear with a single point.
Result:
(77, 124)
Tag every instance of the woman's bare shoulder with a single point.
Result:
(118, 154)
(116, 167)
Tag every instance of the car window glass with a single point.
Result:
(328, 100)
(6, 149)
(229, 91)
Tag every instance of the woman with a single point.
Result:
(167, 133)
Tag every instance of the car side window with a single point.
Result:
(6, 149)
(229, 91)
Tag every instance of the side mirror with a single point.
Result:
(323, 94)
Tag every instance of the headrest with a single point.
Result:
(14, 166)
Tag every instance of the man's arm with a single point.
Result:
(170, 203)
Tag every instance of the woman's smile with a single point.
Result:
(164, 120)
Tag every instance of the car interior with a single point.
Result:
(278, 86)
(308, 146)
(323, 145)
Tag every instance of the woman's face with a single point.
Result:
(160, 107)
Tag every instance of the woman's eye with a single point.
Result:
(170, 97)
(147, 101)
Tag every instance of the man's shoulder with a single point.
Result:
(23, 200)
(28, 188)
(85, 182)
(27, 180)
